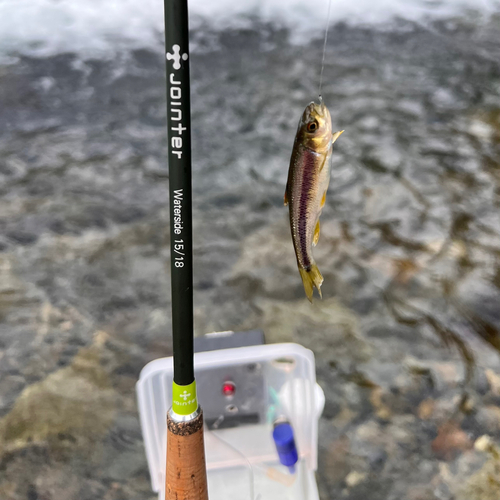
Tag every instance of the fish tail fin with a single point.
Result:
(310, 278)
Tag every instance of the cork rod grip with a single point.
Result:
(186, 477)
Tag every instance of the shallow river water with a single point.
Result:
(407, 335)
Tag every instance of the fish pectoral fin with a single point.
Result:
(323, 200)
(316, 234)
(285, 201)
(336, 135)
(311, 278)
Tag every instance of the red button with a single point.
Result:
(228, 389)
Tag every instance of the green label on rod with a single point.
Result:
(184, 401)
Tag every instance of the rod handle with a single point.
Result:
(186, 474)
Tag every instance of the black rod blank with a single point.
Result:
(179, 162)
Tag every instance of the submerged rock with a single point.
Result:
(71, 409)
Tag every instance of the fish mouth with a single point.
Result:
(313, 110)
(310, 108)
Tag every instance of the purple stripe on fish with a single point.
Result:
(307, 181)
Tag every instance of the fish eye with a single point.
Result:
(311, 127)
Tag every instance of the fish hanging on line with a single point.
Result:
(305, 194)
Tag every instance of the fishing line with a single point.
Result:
(324, 51)
(245, 458)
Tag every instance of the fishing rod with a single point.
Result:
(186, 477)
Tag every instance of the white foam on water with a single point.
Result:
(101, 27)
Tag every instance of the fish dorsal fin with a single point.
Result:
(322, 204)
(316, 234)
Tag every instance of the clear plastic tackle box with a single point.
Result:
(267, 382)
